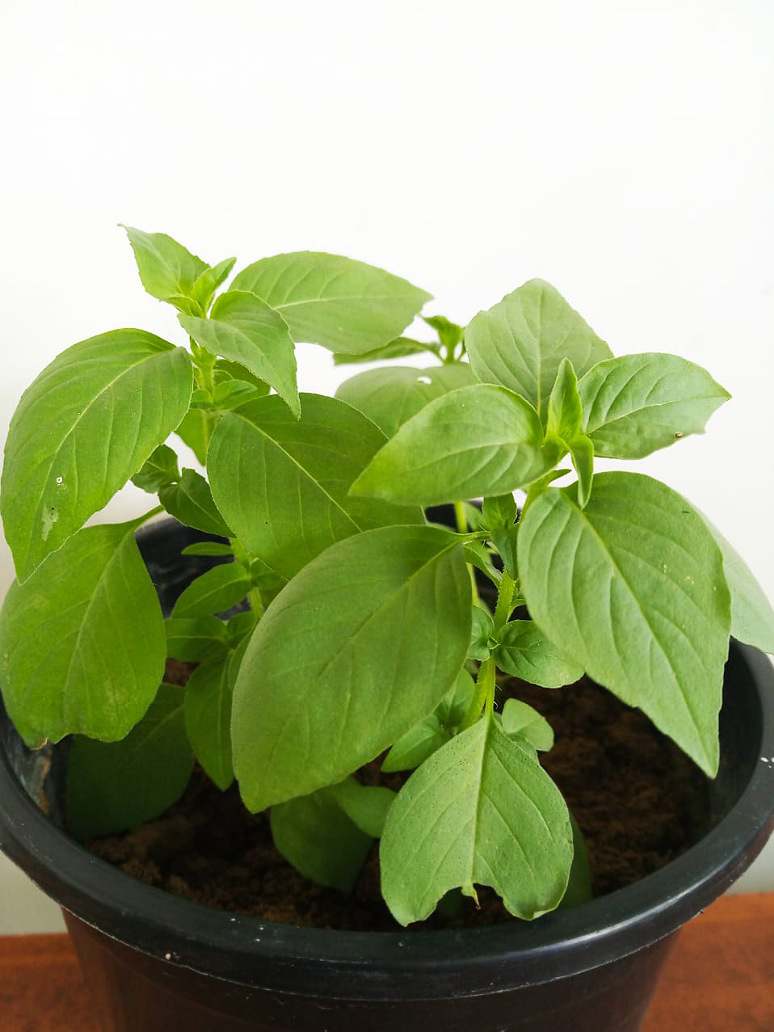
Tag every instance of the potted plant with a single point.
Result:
(336, 626)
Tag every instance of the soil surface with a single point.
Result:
(638, 800)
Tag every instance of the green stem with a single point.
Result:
(204, 373)
(485, 682)
(460, 517)
(484, 697)
(242, 557)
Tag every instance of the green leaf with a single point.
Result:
(752, 617)
(521, 341)
(398, 348)
(416, 745)
(525, 652)
(241, 624)
(190, 501)
(231, 394)
(413, 748)
(480, 633)
(244, 329)
(499, 511)
(565, 412)
(208, 548)
(366, 806)
(226, 370)
(347, 306)
(82, 640)
(357, 648)
(478, 555)
(579, 886)
(632, 589)
(390, 397)
(449, 333)
(638, 403)
(315, 835)
(505, 540)
(215, 591)
(157, 471)
(565, 423)
(167, 270)
(294, 503)
(480, 440)
(194, 430)
(499, 517)
(480, 811)
(208, 281)
(195, 638)
(473, 516)
(454, 706)
(522, 721)
(582, 455)
(208, 718)
(84, 427)
(115, 786)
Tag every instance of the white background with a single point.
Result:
(622, 151)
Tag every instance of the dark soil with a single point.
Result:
(638, 800)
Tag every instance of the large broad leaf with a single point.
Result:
(480, 811)
(82, 641)
(524, 651)
(632, 589)
(86, 424)
(347, 306)
(521, 341)
(114, 786)
(167, 270)
(479, 440)
(389, 397)
(752, 617)
(638, 403)
(244, 329)
(359, 647)
(317, 837)
(282, 484)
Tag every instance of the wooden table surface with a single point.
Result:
(718, 978)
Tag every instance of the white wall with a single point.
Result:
(623, 151)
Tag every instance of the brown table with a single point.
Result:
(719, 977)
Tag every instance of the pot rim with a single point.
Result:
(407, 965)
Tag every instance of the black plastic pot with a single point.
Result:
(157, 962)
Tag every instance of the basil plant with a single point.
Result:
(343, 625)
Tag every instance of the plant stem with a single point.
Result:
(484, 697)
(485, 682)
(204, 372)
(460, 518)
